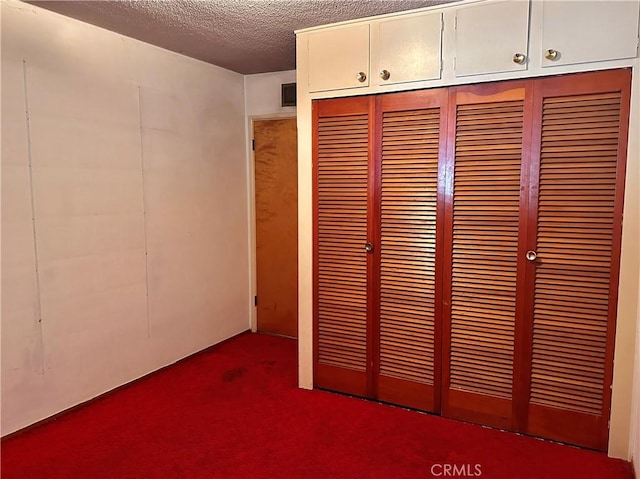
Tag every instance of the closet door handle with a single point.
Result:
(368, 247)
(531, 255)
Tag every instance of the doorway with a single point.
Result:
(276, 209)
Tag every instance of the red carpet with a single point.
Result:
(234, 412)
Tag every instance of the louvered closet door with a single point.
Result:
(410, 130)
(483, 233)
(341, 175)
(580, 164)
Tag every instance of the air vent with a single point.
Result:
(288, 94)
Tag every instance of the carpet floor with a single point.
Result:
(234, 411)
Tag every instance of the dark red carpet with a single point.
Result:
(235, 412)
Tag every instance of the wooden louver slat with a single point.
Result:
(574, 245)
(409, 182)
(486, 205)
(342, 163)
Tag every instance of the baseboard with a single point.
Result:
(114, 390)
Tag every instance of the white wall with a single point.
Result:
(626, 383)
(263, 94)
(124, 210)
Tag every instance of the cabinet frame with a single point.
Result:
(628, 297)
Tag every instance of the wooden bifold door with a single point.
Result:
(466, 250)
(377, 175)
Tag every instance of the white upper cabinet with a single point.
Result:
(468, 42)
(574, 32)
(407, 49)
(492, 38)
(339, 58)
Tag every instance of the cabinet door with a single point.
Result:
(580, 165)
(339, 58)
(489, 36)
(483, 236)
(409, 49)
(572, 32)
(341, 263)
(412, 135)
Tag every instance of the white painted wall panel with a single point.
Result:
(113, 148)
(191, 170)
(22, 353)
(92, 99)
(264, 93)
(87, 192)
(139, 191)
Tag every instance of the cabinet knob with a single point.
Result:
(368, 247)
(531, 255)
(519, 58)
(551, 54)
(361, 76)
(384, 74)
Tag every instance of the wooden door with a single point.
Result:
(487, 135)
(578, 163)
(412, 131)
(532, 245)
(276, 197)
(377, 174)
(342, 264)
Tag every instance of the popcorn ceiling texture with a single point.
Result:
(246, 36)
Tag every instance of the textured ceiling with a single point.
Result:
(246, 36)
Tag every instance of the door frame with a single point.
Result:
(251, 188)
